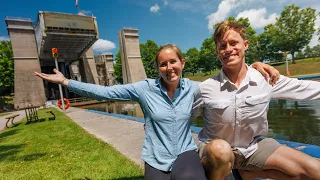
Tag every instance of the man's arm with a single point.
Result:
(198, 105)
(267, 71)
(294, 89)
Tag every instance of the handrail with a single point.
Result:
(80, 99)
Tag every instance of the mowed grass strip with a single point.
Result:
(302, 67)
(4, 114)
(60, 149)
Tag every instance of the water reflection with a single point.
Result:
(288, 120)
(295, 121)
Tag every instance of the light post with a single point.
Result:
(55, 56)
(287, 67)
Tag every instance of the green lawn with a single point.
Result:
(4, 114)
(302, 67)
(201, 76)
(60, 149)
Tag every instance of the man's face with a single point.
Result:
(231, 49)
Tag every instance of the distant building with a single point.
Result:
(105, 69)
(32, 43)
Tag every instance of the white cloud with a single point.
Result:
(257, 17)
(165, 2)
(222, 13)
(103, 45)
(155, 8)
(2, 38)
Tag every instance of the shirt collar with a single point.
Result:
(224, 79)
(181, 81)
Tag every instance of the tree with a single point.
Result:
(293, 30)
(316, 51)
(267, 46)
(319, 29)
(192, 57)
(118, 68)
(208, 58)
(300, 55)
(6, 66)
(308, 52)
(148, 51)
(252, 53)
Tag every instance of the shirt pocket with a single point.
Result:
(218, 110)
(256, 105)
(219, 104)
(257, 99)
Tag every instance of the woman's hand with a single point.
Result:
(267, 71)
(58, 77)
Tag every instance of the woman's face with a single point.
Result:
(170, 66)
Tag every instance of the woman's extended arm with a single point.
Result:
(57, 78)
(128, 92)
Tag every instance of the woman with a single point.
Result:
(168, 149)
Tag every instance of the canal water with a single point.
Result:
(288, 120)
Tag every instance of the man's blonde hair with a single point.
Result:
(226, 25)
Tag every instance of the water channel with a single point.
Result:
(288, 120)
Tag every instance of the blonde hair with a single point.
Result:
(174, 47)
(226, 25)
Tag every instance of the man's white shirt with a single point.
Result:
(237, 115)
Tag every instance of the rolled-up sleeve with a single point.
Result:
(294, 89)
(128, 92)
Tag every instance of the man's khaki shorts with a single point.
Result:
(257, 160)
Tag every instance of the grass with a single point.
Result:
(60, 149)
(302, 67)
(4, 114)
(201, 76)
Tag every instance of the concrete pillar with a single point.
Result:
(101, 70)
(28, 89)
(109, 69)
(89, 67)
(132, 67)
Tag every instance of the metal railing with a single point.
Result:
(80, 99)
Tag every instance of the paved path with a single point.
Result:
(125, 135)
(3, 120)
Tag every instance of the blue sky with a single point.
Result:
(183, 22)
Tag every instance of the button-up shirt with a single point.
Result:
(237, 115)
(167, 121)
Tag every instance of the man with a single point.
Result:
(234, 106)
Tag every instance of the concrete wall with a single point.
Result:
(28, 89)
(105, 69)
(89, 67)
(101, 70)
(132, 66)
